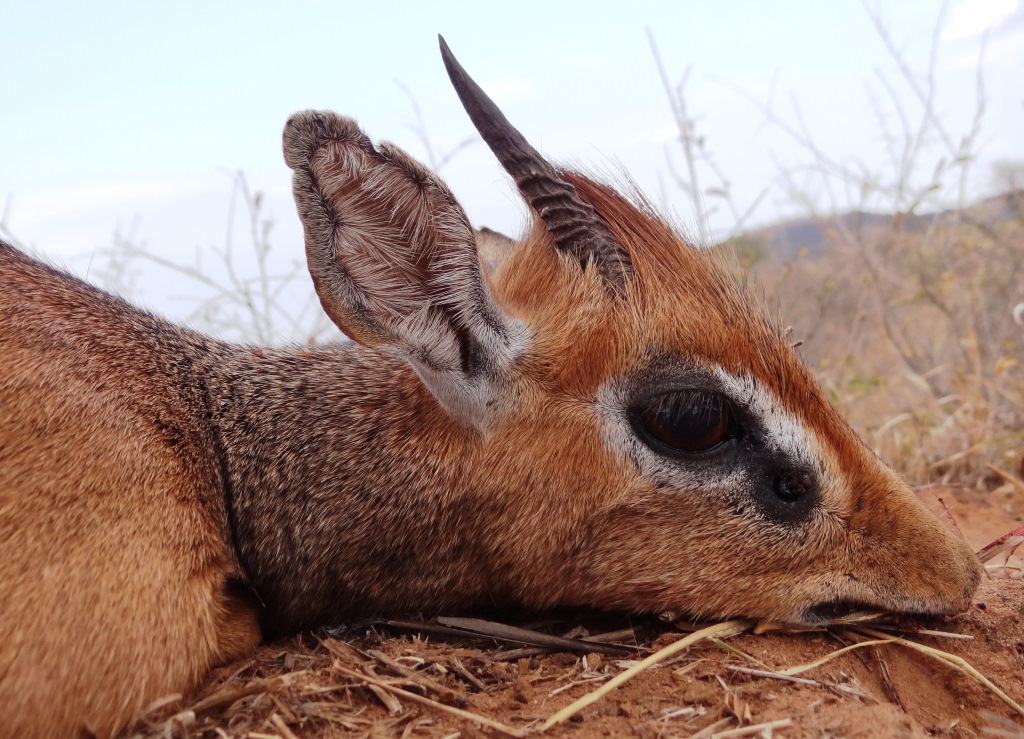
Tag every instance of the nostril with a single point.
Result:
(792, 486)
(788, 494)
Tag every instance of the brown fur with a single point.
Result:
(115, 559)
(684, 303)
(167, 499)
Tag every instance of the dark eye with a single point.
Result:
(687, 421)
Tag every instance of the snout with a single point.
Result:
(951, 583)
(911, 563)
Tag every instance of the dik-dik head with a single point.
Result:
(642, 435)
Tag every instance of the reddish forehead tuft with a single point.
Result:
(683, 299)
(682, 302)
(686, 303)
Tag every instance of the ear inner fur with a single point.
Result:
(373, 216)
(395, 264)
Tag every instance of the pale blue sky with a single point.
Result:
(136, 113)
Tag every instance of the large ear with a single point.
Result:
(394, 260)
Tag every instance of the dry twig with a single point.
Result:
(722, 630)
(399, 692)
(956, 662)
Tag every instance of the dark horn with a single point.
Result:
(574, 224)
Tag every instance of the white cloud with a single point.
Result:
(665, 133)
(508, 89)
(973, 17)
(585, 62)
(56, 204)
(1009, 47)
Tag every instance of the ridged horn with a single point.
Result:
(574, 224)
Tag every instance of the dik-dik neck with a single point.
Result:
(346, 485)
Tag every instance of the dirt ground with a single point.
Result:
(322, 684)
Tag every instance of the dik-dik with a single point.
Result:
(604, 419)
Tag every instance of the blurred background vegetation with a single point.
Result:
(900, 286)
(908, 322)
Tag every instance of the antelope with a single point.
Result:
(606, 418)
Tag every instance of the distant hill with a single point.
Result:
(785, 240)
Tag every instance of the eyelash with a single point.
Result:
(686, 422)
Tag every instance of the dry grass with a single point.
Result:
(328, 686)
(720, 631)
(913, 337)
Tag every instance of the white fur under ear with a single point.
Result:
(394, 261)
(493, 247)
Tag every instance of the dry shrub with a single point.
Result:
(910, 330)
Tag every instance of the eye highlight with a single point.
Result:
(687, 421)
